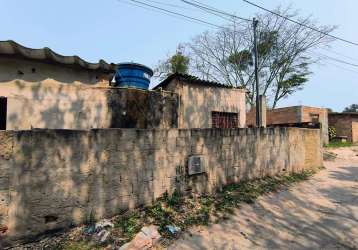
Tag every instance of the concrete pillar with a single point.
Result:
(263, 120)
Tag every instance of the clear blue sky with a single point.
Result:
(116, 32)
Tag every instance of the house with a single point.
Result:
(206, 104)
(295, 116)
(346, 124)
(42, 89)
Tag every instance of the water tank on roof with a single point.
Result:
(133, 75)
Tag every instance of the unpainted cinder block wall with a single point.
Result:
(54, 179)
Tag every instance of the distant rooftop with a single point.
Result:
(11, 48)
(344, 113)
(193, 80)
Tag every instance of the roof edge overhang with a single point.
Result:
(12, 49)
(190, 79)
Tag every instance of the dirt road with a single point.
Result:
(321, 213)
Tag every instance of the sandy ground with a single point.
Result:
(321, 213)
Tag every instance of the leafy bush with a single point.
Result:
(332, 133)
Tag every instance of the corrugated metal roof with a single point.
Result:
(192, 79)
(11, 48)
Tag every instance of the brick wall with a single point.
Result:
(60, 178)
(293, 115)
(277, 116)
(345, 124)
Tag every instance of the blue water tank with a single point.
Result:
(133, 75)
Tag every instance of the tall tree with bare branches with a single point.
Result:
(284, 49)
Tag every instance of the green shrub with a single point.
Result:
(332, 133)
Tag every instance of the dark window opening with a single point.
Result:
(224, 120)
(314, 118)
(33, 70)
(3, 111)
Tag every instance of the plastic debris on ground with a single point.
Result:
(173, 229)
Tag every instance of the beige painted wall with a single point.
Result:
(58, 97)
(197, 102)
(54, 105)
(52, 96)
(51, 179)
(355, 131)
(48, 73)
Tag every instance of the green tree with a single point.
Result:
(177, 63)
(351, 108)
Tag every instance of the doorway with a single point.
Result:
(3, 112)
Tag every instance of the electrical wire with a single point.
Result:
(335, 59)
(185, 8)
(302, 24)
(158, 11)
(169, 4)
(202, 8)
(147, 6)
(199, 5)
(327, 61)
(209, 8)
(176, 13)
(339, 54)
(343, 68)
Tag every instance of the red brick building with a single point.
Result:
(346, 124)
(295, 116)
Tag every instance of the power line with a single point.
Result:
(169, 4)
(302, 24)
(202, 8)
(200, 21)
(157, 11)
(209, 8)
(343, 68)
(339, 54)
(184, 8)
(176, 13)
(335, 59)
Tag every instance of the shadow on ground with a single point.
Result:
(321, 213)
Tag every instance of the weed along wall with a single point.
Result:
(53, 179)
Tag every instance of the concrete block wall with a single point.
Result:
(54, 179)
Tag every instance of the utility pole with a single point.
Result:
(258, 120)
